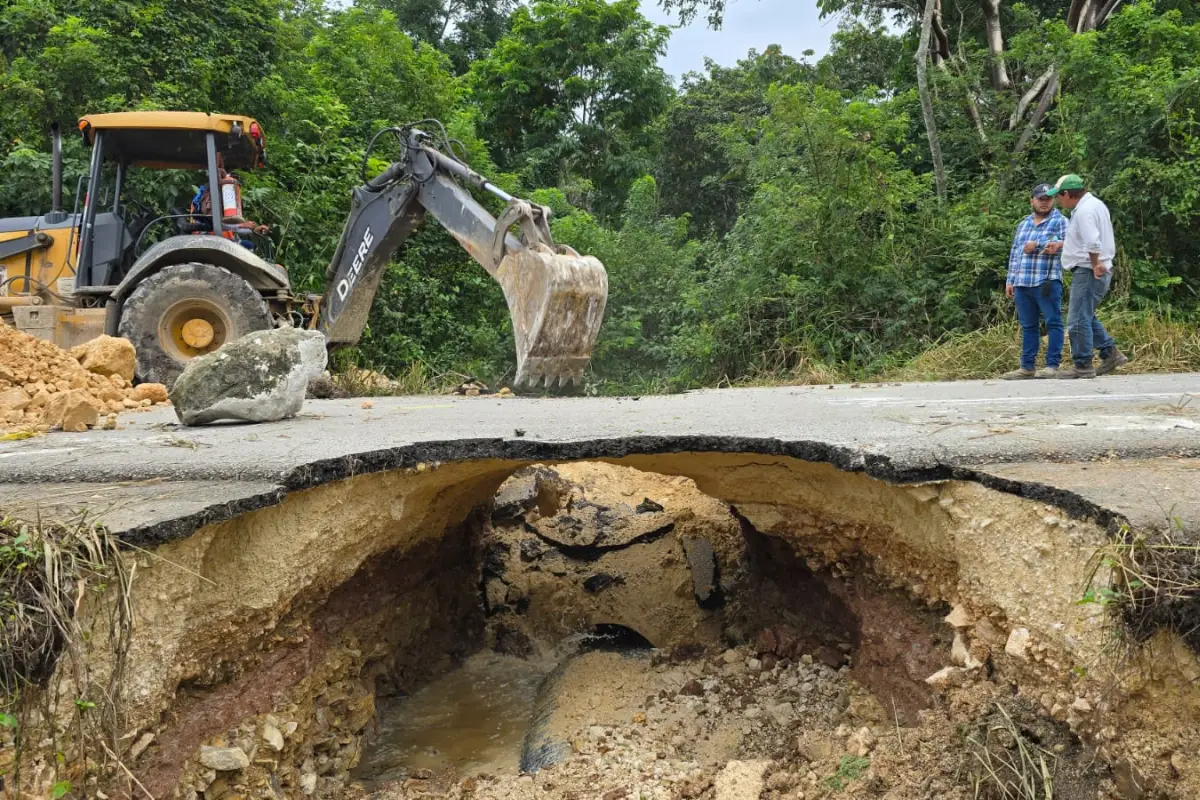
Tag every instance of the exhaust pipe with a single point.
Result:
(56, 169)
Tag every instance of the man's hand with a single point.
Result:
(1008, 289)
(262, 230)
(1098, 270)
(1052, 248)
(1031, 247)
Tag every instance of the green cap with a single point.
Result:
(1071, 181)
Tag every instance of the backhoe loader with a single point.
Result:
(181, 283)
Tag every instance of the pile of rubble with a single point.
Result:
(43, 387)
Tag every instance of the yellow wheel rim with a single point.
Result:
(192, 328)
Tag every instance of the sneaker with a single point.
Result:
(1047, 372)
(1018, 375)
(1071, 372)
(1115, 359)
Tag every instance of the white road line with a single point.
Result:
(906, 401)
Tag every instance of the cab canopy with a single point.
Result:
(175, 139)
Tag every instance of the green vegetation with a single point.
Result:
(850, 768)
(775, 220)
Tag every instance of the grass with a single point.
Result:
(1155, 581)
(851, 768)
(1010, 766)
(48, 570)
(1153, 342)
(355, 381)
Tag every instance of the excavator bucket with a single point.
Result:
(556, 300)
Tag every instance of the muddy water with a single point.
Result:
(472, 719)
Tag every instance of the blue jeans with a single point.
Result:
(1087, 334)
(1032, 307)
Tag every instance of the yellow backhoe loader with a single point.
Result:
(180, 284)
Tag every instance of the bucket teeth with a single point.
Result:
(556, 301)
(551, 372)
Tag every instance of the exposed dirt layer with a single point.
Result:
(827, 632)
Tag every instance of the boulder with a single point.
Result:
(107, 355)
(261, 377)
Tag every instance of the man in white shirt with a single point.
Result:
(1087, 253)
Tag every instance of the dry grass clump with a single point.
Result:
(48, 570)
(1155, 581)
(1153, 343)
(1009, 765)
(354, 381)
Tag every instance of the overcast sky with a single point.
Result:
(794, 25)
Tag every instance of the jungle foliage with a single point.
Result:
(785, 216)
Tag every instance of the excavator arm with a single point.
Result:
(555, 296)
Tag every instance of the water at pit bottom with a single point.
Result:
(472, 719)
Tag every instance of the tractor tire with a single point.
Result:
(184, 311)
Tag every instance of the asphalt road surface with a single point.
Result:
(963, 423)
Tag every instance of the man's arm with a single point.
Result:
(1089, 236)
(1014, 260)
(1056, 232)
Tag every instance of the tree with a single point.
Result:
(706, 134)
(572, 92)
(463, 29)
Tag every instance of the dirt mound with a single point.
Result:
(43, 386)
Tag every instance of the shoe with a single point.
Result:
(1018, 375)
(1115, 359)
(1071, 372)
(1047, 372)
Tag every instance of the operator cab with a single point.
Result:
(115, 228)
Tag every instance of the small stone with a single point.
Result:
(71, 410)
(753, 664)
(154, 392)
(1082, 705)
(862, 742)
(14, 399)
(308, 783)
(989, 633)
(692, 688)
(731, 656)
(958, 618)
(752, 712)
(944, 677)
(740, 780)
(1018, 643)
(367, 404)
(140, 745)
(107, 355)
(272, 736)
(224, 759)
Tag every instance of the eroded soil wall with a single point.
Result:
(273, 632)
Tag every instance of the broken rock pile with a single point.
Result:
(43, 386)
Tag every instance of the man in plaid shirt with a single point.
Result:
(1035, 283)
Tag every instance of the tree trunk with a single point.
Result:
(1107, 11)
(1027, 98)
(939, 33)
(995, 40)
(935, 147)
(1039, 114)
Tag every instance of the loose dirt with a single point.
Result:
(43, 386)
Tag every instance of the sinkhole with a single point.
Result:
(684, 625)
